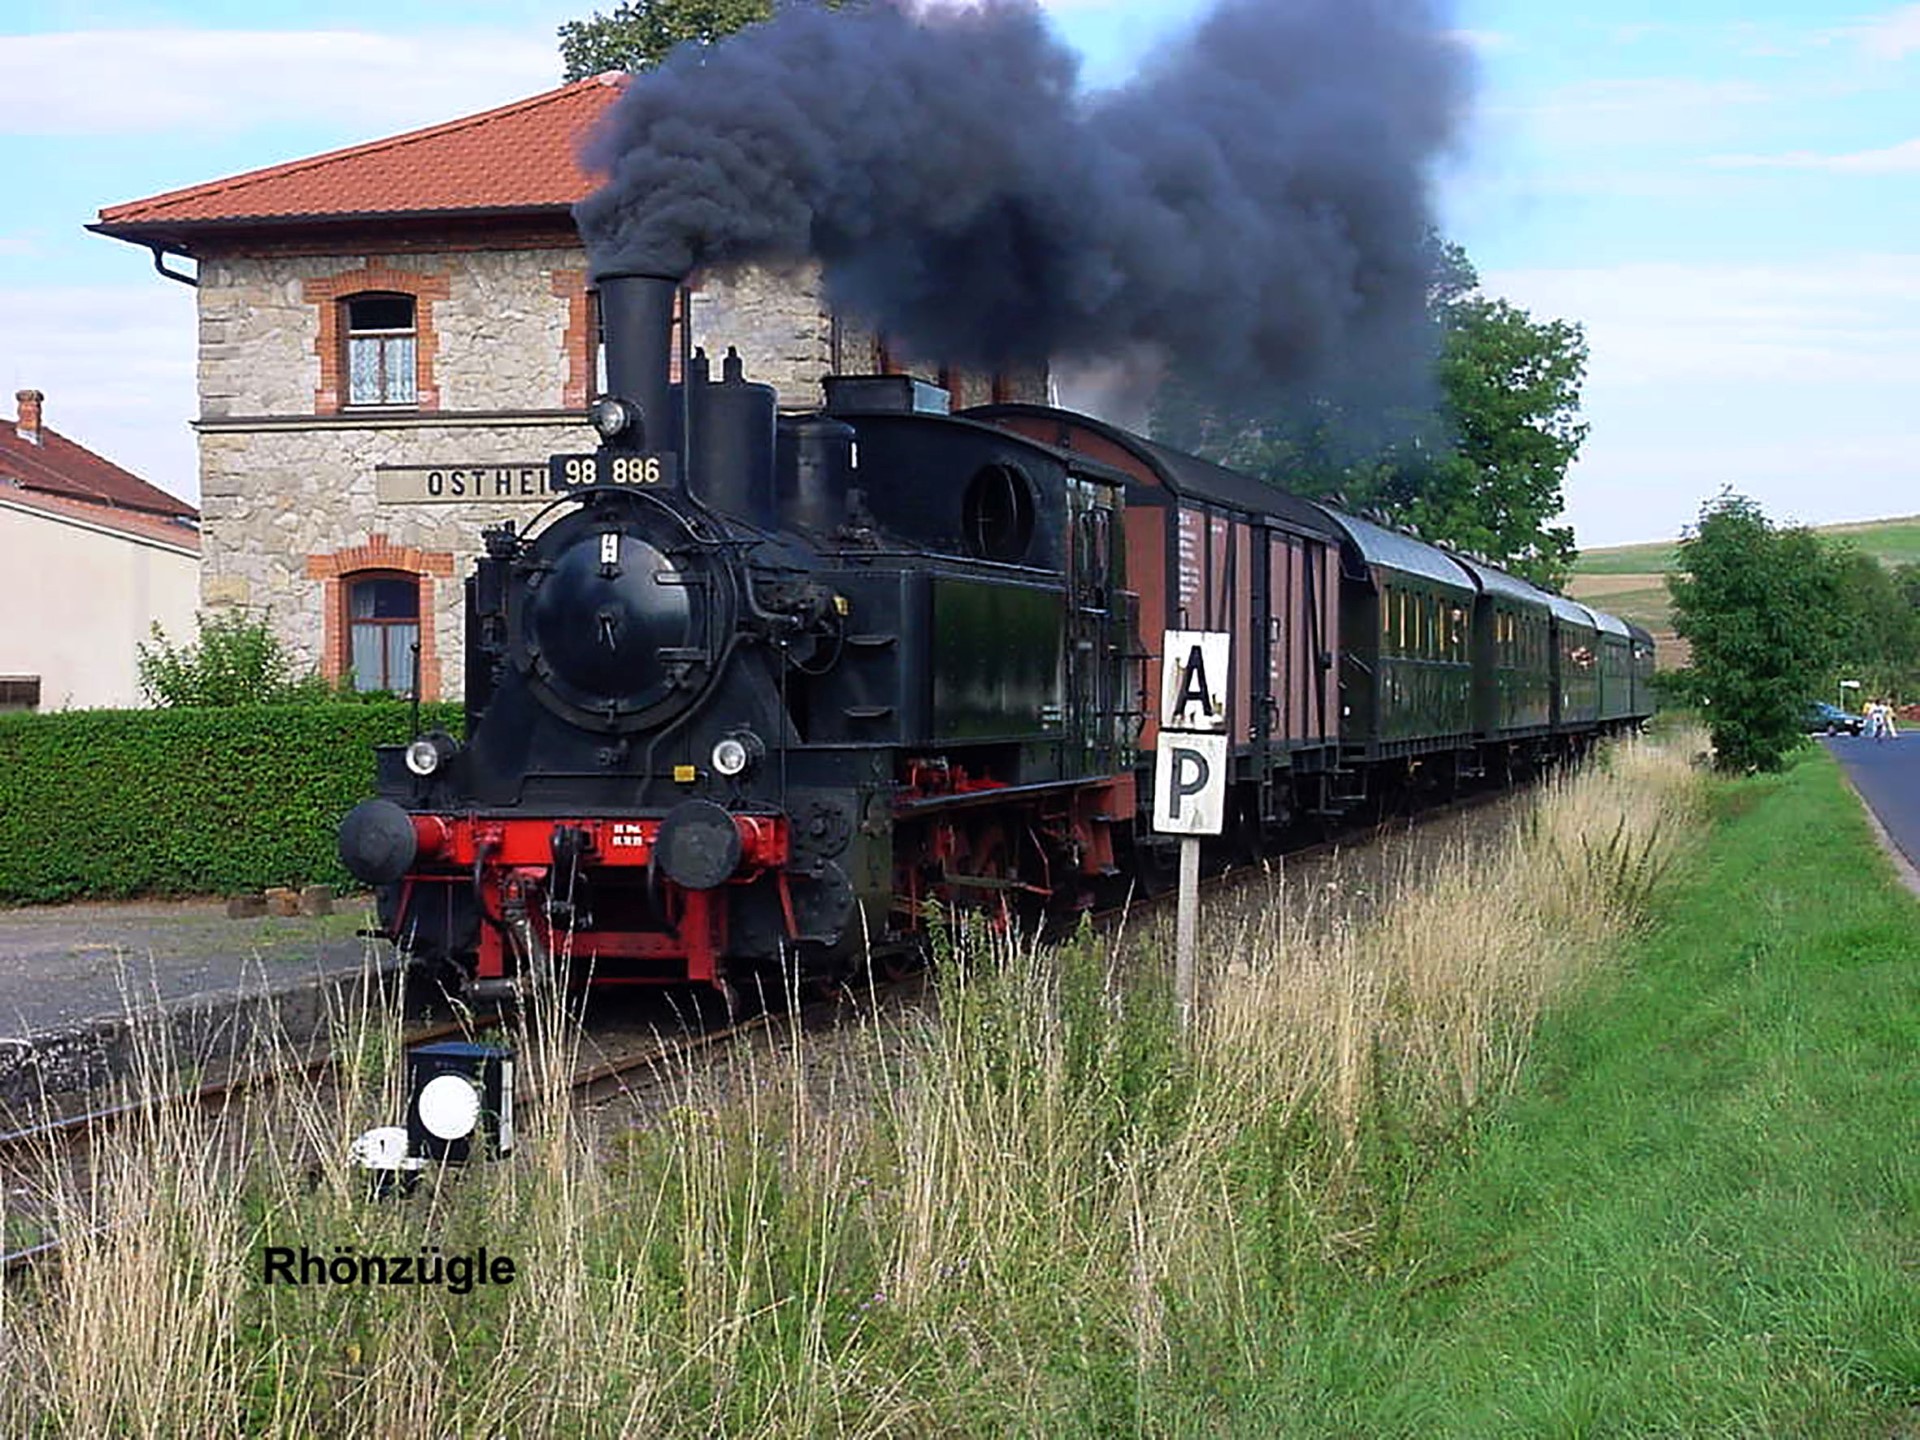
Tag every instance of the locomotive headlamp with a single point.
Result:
(426, 755)
(737, 753)
(614, 417)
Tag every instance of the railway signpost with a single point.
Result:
(1190, 773)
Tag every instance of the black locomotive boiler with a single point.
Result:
(765, 690)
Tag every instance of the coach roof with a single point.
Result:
(1494, 581)
(1186, 476)
(1390, 550)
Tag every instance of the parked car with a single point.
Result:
(1824, 719)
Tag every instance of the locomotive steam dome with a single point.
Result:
(612, 630)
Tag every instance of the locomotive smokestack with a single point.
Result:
(636, 322)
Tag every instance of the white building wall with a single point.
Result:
(79, 598)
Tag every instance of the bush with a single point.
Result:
(237, 660)
(112, 804)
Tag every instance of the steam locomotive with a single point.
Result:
(762, 692)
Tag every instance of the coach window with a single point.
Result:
(381, 342)
(383, 629)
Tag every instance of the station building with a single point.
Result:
(394, 337)
(91, 558)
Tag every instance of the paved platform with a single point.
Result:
(1887, 775)
(77, 982)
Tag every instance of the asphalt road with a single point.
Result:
(1887, 775)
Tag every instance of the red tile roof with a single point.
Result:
(519, 157)
(132, 523)
(57, 466)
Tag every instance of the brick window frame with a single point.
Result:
(586, 346)
(338, 569)
(328, 294)
(581, 338)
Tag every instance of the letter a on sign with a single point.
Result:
(1193, 681)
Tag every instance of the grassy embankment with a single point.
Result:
(1606, 1129)
(1631, 580)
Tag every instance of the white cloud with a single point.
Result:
(1890, 159)
(1892, 36)
(1790, 382)
(1843, 318)
(117, 81)
(116, 363)
(1608, 114)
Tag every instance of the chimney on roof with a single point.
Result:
(28, 426)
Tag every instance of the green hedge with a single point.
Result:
(112, 804)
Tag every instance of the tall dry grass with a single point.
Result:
(1020, 1210)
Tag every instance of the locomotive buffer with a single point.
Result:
(1190, 772)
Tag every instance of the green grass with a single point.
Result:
(1654, 558)
(1630, 580)
(1892, 542)
(1649, 606)
(1700, 1214)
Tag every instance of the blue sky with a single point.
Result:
(1726, 196)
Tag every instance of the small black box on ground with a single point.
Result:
(458, 1092)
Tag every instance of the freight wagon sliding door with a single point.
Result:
(1213, 594)
(1302, 640)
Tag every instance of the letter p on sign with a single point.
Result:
(1189, 784)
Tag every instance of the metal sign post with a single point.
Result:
(1190, 775)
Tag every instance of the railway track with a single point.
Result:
(625, 1064)
(617, 1066)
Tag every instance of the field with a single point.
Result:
(1630, 580)
(1604, 1127)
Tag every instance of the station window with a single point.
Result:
(383, 630)
(381, 345)
(19, 692)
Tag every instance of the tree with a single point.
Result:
(1511, 400)
(1483, 469)
(1878, 641)
(639, 34)
(1757, 605)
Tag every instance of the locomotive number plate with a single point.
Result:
(579, 472)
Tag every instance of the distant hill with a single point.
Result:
(1631, 580)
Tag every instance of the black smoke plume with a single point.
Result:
(1253, 204)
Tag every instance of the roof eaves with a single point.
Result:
(126, 213)
(168, 229)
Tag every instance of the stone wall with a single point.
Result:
(778, 321)
(290, 499)
(278, 504)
